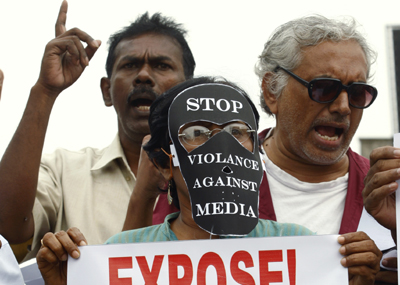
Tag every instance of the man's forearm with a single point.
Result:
(19, 168)
(140, 213)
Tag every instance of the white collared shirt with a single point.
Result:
(88, 189)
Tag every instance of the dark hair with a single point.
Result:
(156, 24)
(158, 121)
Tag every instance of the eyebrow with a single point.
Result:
(151, 59)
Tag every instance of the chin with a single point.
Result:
(324, 157)
(138, 126)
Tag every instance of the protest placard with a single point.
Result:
(295, 260)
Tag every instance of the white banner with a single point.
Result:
(300, 260)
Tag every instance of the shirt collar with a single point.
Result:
(112, 152)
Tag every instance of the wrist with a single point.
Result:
(47, 93)
(39, 102)
(143, 196)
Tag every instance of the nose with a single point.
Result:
(144, 76)
(341, 104)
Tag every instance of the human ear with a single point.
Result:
(105, 89)
(269, 98)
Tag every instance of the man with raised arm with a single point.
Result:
(90, 188)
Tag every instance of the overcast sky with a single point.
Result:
(226, 38)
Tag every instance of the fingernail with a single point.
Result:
(75, 254)
(64, 257)
(393, 186)
(82, 243)
(396, 152)
(384, 262)
(343, 261)
(95, 43)
(87, 61)
(342, 250)
(341, 239)
(398, 170)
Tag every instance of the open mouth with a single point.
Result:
(329, 133)
(142, 104)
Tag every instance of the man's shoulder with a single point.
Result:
(88, 156)
(63, 158)
(66, 154)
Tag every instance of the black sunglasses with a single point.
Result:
(326, 90)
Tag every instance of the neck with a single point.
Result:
(185, 228)
(131, 148)
(297, 167)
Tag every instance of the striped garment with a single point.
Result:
(163, 232)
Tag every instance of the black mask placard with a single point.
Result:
(222, 176)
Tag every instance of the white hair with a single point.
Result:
(284, 47)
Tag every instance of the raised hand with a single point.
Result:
(64, 60)
(361, 257)
(53, 255)
(380, 185)
(65, 57)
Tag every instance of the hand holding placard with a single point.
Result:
(380, 185)
(379, 194)
(362, 257)
(53, 254)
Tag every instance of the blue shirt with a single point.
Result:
(163, 232)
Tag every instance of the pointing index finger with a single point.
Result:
(62, 19)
